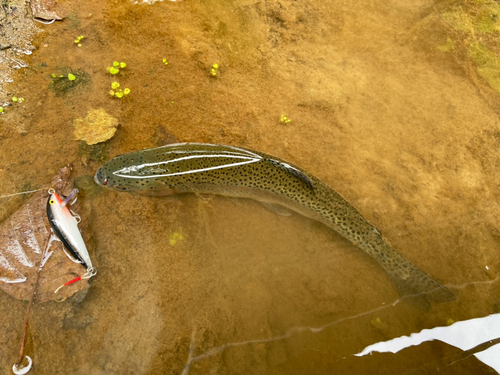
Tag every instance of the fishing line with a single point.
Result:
(21, 193)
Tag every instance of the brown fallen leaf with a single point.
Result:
(98, 126)
(40, 9)
(23, 239)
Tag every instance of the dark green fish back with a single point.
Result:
(233, 171)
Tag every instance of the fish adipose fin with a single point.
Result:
(293, 171)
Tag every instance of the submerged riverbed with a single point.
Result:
(393, 105)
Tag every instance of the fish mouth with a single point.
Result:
(99, 178)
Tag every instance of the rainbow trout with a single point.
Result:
(238, 172)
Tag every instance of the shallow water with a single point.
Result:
(405, 131)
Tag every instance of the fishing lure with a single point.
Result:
(65, 226)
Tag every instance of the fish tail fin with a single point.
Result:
(414, 283)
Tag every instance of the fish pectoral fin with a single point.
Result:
(278, 209)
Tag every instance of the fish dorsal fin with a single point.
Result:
(293, 171)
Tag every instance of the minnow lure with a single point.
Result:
(238, 172)
(65, 226)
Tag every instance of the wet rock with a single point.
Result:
(98, 126)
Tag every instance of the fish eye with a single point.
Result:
(52, 201)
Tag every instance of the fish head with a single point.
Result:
(164, 170)
(134, 172)
(103, 179)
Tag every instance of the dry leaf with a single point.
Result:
(23, 240)
(40, 9)
(98, 126)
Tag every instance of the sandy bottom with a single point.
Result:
(405, 131)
